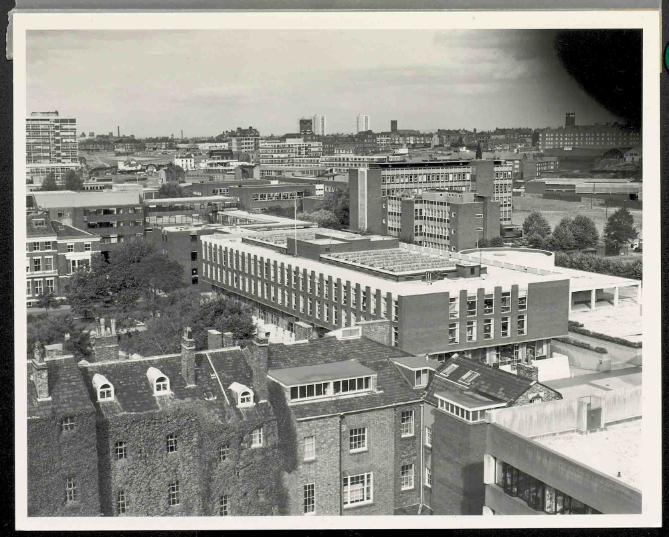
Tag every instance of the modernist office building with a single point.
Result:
(371, 188)
(51, 147)
(439, 303)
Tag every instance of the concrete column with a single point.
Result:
(593, 299)
(571, 300)
(616, 296)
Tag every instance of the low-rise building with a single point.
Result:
(53, 252)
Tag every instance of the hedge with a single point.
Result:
(582, 344)
(579, 329)
(600, 264)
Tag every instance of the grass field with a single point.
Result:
(555, 210)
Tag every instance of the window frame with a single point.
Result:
(357, 436)
(366, 487)
(404, 425)
(407, 476)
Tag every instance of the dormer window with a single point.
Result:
(244, 395)
(159, 382)
(421, 378)
(103, 388)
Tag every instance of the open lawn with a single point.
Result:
(555, 210)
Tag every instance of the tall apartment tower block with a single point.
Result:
(363, 123)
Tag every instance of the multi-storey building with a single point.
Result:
(534, 168)
(245, 140)
(320, 125)
(343, 162)
(190, 210)
(51, 147)
(306, 126)
(457, 394)
(53, 252)
(444, 220)
(438, 302)
(589, 136)
(186, 162)
(363, 123)
(291, 151)
(113, 215)
(261, 194)
(370, 188)
(575, 456)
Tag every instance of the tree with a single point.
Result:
(338, 203)
(73, 181)
(563, 238)
(496, 242)
(585, 232)
(536, 241)
(130, 283)
(171, 190)
(619, 230)
(49, 183)
(323, 218)
(47, 330)
(174, 173)
(536, 224)
(46, 301)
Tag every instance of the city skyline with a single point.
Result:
(484, 78)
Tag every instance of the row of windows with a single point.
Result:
(173, 499)
(488, 329)
(488, 305)
(471, 416)
(36, 287)
(325, 389)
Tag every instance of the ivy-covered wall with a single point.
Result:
(53, 456)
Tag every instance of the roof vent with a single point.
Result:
(353, 332)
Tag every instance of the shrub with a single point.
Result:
(582, 344)
(578, 328)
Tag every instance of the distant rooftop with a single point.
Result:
(68, 198)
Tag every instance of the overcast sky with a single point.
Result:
(155, 83)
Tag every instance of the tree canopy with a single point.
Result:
(171, 190)
(322, 217)
(619, 230)
(563, 237)
(174, 173)
(536, 224)
(584, 231)
(73, 181)
(338, 203)
(130, 282)
(49, 183)
(47, 329)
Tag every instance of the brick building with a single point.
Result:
(53, 252)
(437, 302)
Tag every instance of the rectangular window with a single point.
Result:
(171, 443)
(406, 423)
(309, 499)
(406, 476)
(68, 423)
(223, 453)
(358, 489)
(357, 439)
(48, 263)
(506, 302)
(471, 305)
(50, 285)
(70, 490)
(309, 448)
(488, 329)
(121, 503)
(471, 330)
(120, 451)
(505, 327)
(522, 325)
(70, 247)
(453, 333)
(174, 493)
(489, 304)
(38, 287)
(257, 438)
(223, 505)
(453, 308)
(421, 377)
(428, 436)
(87, 247)
(522, 303)
(37, 264)
(428, 476)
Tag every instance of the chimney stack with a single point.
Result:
(529, 372)
(228, 339)
(105, 342)
(214, 340)
(188, 356)
(257, 356)
(378, 330)
(40, 373)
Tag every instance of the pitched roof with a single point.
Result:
(492, 383)
(392, 388)
(66, 388)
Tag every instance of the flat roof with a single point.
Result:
(293, 376)
(417, 362)
(496, 276)
(164, 201)
(614, 451)
(69, 198)
(597, 383)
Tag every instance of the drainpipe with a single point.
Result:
(341, 500)
(422, 456)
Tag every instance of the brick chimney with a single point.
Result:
(40, 373)
(214, 340)
(228, 339)
(105, 341)
(188, 356)
(529, 372)
(257, 357)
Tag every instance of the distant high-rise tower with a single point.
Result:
(363, 123)
(118, 131)
(319, 125)
(570, 119)
(306, 126)
(393, 125)
(52, 146)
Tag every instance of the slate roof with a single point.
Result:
(293, 376)
(54, 228)
(392, 388)
(492, 383)
(66, 388)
